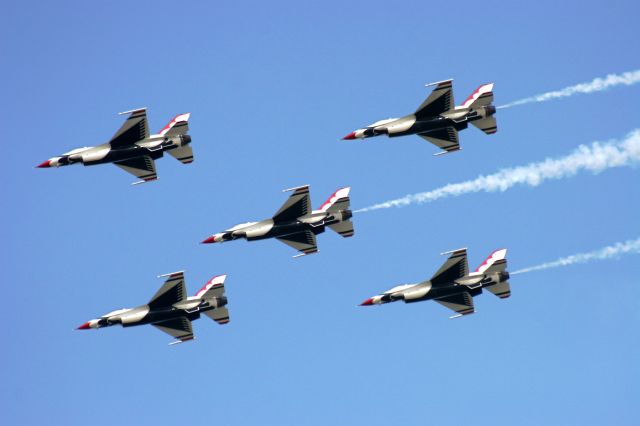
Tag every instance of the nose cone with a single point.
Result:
(367, 302)
(85, 326)
(44, 164)
(210, 240)
(350, 136)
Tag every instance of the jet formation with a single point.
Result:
(437, 119)
(133, 148)
(170, 310)
(453, 286)
(296, 224)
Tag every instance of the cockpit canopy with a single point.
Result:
(116, 312)
(381, 122)
(398, 288)
(241, 225)
(77, 150)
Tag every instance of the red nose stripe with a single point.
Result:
(367, 302)
(44, 164)
(209, 240)
(84, 326)
(350, 136)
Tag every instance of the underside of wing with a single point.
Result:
(134, 129)
(172, 291)
(439, 101)
(461, 303)
(180, 328)
(141, 167)
(446, 139)
(454, 267)
(304, 242)
(297, 205)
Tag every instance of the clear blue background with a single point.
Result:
(272, 87)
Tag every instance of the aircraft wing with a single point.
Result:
(219, 315)
(141, 167)
(180, 328)
(304, 242)
(461, 303)
(298, 204)
(439, 101)
(134, 129)
(172, 291)
(446, 139)
(454, 267)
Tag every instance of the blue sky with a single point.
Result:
(272, 87)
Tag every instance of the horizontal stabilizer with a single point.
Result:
(502, 290)
(178, 126)
(213, 288)
(184, 154)
(219, 315)
(482, 96)
(344, 228)
(495, 262)
(487, 125)
(339, 200)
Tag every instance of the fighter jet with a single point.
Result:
(438, 120)
(133, 148)
(453, 286)
(170, 310)
(295, 224)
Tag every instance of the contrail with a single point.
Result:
(631, 246)
(595, 158)
(628, 78)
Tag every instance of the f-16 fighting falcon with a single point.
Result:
(296, 224)
(438, 120)
(170, 310)
(453, 286)
(133, 148)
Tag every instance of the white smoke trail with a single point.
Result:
(595, 158)
(597, 85)
(631, 246)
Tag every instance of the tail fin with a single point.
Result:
(213, 288)
(178, 126)
(497, 263)
(482, 96)
(339, 200)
